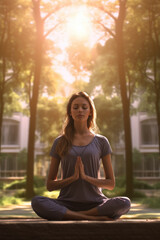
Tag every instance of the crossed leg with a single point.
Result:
(51, 209)
(91, 214)
(110, 210)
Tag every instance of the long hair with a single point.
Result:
(65, 141)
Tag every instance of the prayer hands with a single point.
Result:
(79, 169)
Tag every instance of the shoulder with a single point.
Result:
(101, 138)
(57, 139)
(54, 145)
(104, 144)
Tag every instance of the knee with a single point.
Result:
(127, 203)
(35, 202)
(38, 206)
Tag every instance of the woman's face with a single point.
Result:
(80, 109)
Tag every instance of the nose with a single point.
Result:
(80, 109)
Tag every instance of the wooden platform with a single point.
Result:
(38, 229)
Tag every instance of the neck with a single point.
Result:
(81, 128)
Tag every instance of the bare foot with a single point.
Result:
(99, 218)
(71, 215)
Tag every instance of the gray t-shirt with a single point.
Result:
(91, 154)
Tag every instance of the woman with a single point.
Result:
(79, 151)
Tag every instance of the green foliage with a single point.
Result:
(151, 202)
(5, 200)
(142, 33)
(121, 182)
(53, 194)
(142, 185)
(1, 185)
(22, 159)
(50, 120)
(114, 193)
(39, 181)
(17, 51)
(104, 69)
(108, 111)
(136, 156)
(21, 184)
(138, 195)
(18, 184)
(138, 184)
(156, 185)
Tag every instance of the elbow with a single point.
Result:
(111, 185)
(49, 189)
(49, 186)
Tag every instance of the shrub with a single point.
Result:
(156, 185)
(21, 184)
(152, 202)
(18, 184)
(141, 185)
(5, 200)
(114, 193)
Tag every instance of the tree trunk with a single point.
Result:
(2, 89)
(34, 99)
(4, 41)
(125, 98)
(157, 106)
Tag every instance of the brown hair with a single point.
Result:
(65, 141)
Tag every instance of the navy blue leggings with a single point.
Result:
(55, 209)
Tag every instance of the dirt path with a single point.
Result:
(25, 211)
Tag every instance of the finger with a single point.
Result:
(78, 158)
(81, 163)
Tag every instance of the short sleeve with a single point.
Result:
(105, 147)
(53, 152)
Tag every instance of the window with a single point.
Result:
(10, 132)
(147, 165)
(149, 132)
(13, 165)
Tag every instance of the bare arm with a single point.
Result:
(108, 182)
(53, 183)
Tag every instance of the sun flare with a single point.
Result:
(79, 24)
(74, 24)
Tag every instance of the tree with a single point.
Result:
(11, 55)
(117, 34)
(39, 54)
(108, 111)
(152, 70)
(124, 96)
(144, 47)
(50, 118)
(34, 98)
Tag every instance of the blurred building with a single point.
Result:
(14, 143)
(146, 159)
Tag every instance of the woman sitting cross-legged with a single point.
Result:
(79, 150)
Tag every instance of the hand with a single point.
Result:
(81, 168)
(76, 174)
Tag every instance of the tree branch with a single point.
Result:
(56, 9)
(106, 29)
(102, 8)
(50, 30)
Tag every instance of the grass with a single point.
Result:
(19, 197)
(151, 202)
(18, 188)
(8, 200)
